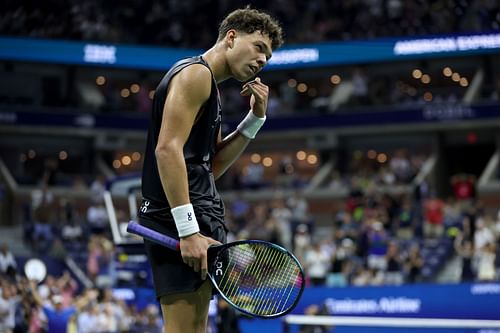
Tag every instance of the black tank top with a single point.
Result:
(199, 151)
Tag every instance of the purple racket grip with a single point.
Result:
(153, 236)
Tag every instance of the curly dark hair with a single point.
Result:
(249, 20)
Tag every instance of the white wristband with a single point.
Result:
(185, 220)
(251, 125)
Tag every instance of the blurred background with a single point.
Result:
(378, 165)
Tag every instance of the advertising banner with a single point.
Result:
(288, 57)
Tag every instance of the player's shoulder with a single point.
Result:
(195, 73)
(197, 78)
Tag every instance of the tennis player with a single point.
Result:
(185, 154)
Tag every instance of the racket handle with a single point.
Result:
(153, 236)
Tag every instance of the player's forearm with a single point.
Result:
(173, 174)
(228, 150)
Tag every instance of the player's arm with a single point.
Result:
(228, 150)
(231, 147)
(188, 91)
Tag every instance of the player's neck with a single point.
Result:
(216, 60)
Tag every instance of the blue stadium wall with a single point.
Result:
(450, 301)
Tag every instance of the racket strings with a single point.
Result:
(260, 279)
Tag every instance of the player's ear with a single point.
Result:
(230, 36)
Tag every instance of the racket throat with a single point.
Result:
(215, 265)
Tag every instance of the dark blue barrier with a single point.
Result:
(432, 113)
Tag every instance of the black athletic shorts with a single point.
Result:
(170, 274)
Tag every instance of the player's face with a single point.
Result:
(249, 54)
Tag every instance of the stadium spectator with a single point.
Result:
(97, 188)
(464, 186)
(97, 216)
(377, 246)
(87, 321)
(8, 265)
(301, 241)
(365, 276)
(299, 207)
(401, 167)
(283, 215)
(43, 235)
(465, 251)
(57, 315)
(240, 211)
(100, 261)
(106, 320)
(116, 307)
(405, 221)
(8, 303)
(316, 263)
(413, 264)
(147, 320)
(24, 309)
(452, 213)
(482, 235)
(486, 258)
(256, 225)
(433, 214)
(72, 231)
(342, 260)
(286, 173)
(348, 226)
(95, 254)
(394, 271)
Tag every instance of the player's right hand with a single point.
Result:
(259, 93)
(194, 252)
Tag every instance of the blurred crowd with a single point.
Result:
(364, 170)
(171, 23)
(378, 238)
(57, 305)
(369, 209)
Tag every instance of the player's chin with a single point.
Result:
(244, 76)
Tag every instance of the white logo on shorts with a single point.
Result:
(144, 206)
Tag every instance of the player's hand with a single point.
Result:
(194, 252)
(259, 94)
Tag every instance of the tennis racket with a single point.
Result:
(258, 278)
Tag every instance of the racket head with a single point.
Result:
(258, 278)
